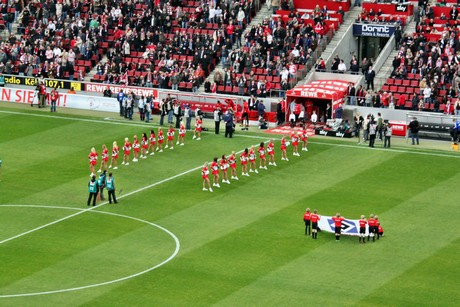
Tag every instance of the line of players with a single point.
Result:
(140, 148)
(375, 229)
(248, 160)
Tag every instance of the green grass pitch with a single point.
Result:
(242, 245)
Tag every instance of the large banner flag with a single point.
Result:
(349, 227)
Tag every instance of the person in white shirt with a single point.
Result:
(314, 117)
(57, 52)
(342, 67)
(305, 16)
(427, 94)
(240, 17)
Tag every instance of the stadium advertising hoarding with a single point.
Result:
(52, 83)
(374, 30)
(138, 91)
(398, 128)
(65, 100)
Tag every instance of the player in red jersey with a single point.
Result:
(362, 229)
(283, 147)
(307, 221)
(380, 230)
(215, 173)
(224, 167)
(252, 161)
(314, 224)
(136, 148)
(182, 131)
(304, 138)
(371, 224)
(170, 134)
(232, 162)
(144, 145)
(104, 159)
(295, 143)
(161, 140)
(244, 162)
(263, 159)
(152, 142)
(198, 128)
(114, 160)
(338, 225)
(205, 176)
(376, 227)
(126, 152)
(271, 153)
(92, 161)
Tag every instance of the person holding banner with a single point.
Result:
(376, 228)
(338, 225)
(362, 229)
(307, 221)
(371, 224)
(314, 224)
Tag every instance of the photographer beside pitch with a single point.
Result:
(93, 189)
(110, 186)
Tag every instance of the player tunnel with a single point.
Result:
(315, 96)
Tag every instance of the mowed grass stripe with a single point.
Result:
(351, 271)
(102, 248)
(55, 153)
(219, 241)
(416, 285)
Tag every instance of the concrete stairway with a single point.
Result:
(349, 19)
(384, 73)
(263, 13)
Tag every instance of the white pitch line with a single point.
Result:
(100, 205)
(104, 203)
(124, 123)
(172, 256)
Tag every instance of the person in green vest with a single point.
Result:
(110, 185)
(101, 184)
(92, 189)
(2, 80)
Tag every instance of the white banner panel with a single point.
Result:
(349, 227)
(65, 100)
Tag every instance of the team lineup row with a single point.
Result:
(249, 157)
(375, 229)
(140, 147)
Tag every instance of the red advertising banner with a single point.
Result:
(398, 128)
(138, 91)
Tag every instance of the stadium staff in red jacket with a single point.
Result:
(314, 224)
(307, 221)
(54, 97)
(338, 225)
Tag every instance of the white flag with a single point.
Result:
(349, 227)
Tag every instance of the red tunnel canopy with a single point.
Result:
(334, 90)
